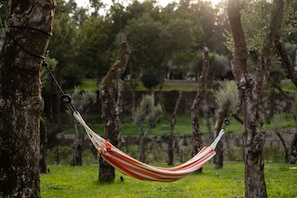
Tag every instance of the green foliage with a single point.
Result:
(81, 97)
(94, 43)
(51, 64)
(63, 46)
(79, 182)
(277, 73)
(4, 10)
(227, 97)
(255, 29)
(147, 113)
(289, 24)
(219, 65)
(151, 79)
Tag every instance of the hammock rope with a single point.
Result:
(139, 170)
(132, 167)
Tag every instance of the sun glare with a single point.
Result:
(163, 3)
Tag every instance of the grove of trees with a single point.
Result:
(254, 40)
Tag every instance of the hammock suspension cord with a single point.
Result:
(132, 167)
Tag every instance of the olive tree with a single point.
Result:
(21, 56)
(146, 116)
(251, 91)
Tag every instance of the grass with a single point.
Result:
(78, 182)
(183, 126)
(89, 84)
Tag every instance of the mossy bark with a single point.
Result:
(24, 44)
(108, 90)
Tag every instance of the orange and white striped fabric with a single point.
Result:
(140, 170)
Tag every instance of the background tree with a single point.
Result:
(83, 101)
(21, 56)
(251, 91)
(146, 116)
(63, 46)
(94, 53)
(195, 108)
(219, 66)
(227, 100)
(172, 122)
(293, 154)
(4, 10)
(43, 129)
(150, 78)
(108, 90)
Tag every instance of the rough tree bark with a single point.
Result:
(21, 56)
(196, 133)
(108, 89)
(251, 91)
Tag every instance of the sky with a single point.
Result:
(163, 3)
(83, 3)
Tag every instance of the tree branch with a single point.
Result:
(289, 66)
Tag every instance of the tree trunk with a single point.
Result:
(220, 117)
(77, 149)
(21, 56)
(196, 133)
(43, 147)
(289, 65)
(171, 136)
(142, 156)
(293, 154)
(133, 84)
(251, 93)
(107, 92)
(284, 145)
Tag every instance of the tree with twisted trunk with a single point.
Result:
(21, 57)
(109, 88)
(251, 91)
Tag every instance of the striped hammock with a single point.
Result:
(134, 168)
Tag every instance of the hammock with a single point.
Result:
(134, 168)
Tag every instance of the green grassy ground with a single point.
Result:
(183, 126)
(89, 84)
(78, 182)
